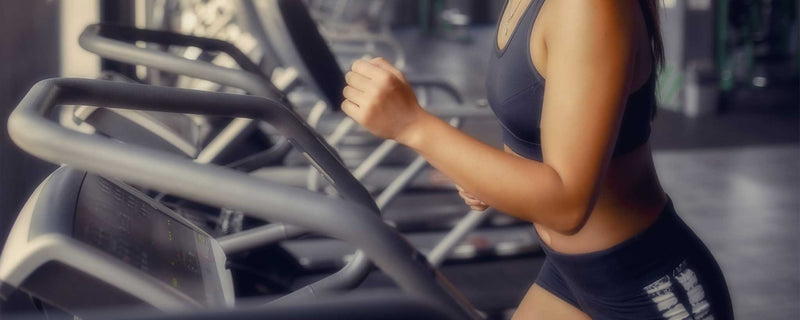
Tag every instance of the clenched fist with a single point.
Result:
(471, 200)
(380, 99)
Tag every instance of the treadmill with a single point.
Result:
(93, 246)
(411, 213)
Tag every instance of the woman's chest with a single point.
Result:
(515, 88)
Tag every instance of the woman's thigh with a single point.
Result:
(541, 304)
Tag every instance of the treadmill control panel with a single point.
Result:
(130, 227)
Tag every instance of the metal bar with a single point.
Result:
(109, 41)
(374, 159)
(248, 239)
(401, 181)
(442, 250)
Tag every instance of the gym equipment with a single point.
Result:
(437, 215)
(323, 66)
(215, 19)
(507, 241)
(47, 235)
(358, 28)
(288, 32)
(105, 41)
(285, 28)
(160, 130)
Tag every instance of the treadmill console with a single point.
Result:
(141, 234)
(83, 243)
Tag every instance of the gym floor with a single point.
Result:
(734, 177)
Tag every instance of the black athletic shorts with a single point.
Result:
(665, 272)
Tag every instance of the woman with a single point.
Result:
(576, 163)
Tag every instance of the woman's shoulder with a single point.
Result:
(596, 13)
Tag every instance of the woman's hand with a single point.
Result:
(471, 201)
(380, 99)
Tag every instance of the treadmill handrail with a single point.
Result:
(114, 42)
(356, 223)
(108, 94)
(117, 43)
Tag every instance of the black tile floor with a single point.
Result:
(735, 178)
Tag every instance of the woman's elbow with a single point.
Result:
(570, 221)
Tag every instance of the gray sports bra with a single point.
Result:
(516, 91)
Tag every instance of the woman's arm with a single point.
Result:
(590, 49)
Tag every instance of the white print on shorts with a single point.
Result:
(661, 292)
(663, 295)
(697, 297)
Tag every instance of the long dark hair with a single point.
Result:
(651, 19)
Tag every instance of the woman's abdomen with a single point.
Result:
(630, 200)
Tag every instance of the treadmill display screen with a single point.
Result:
(125, 225)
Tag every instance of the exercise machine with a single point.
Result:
(128, 252)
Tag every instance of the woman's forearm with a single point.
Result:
(558, 193)
(520, 187)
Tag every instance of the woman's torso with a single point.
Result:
(630, 197)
